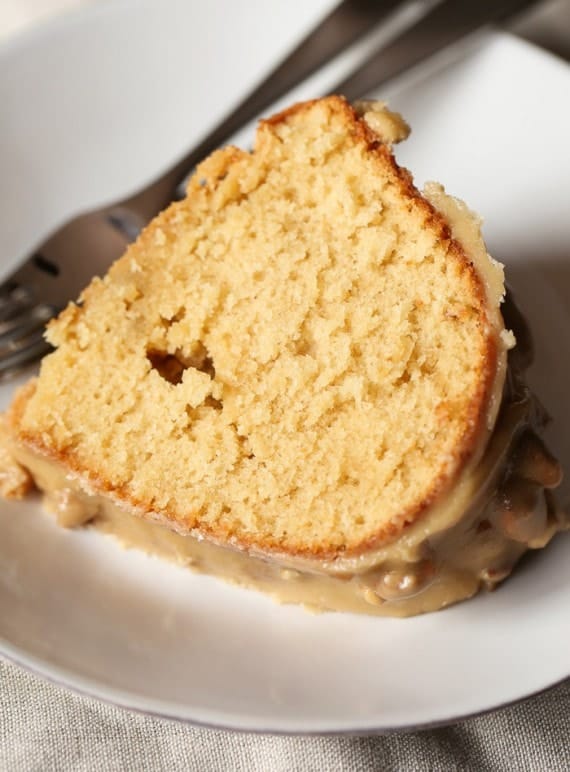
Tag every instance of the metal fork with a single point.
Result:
(88, 244)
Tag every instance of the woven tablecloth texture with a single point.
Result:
(44, 728)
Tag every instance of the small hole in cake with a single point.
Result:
(483, 526)
(244, 443)
(404, 378)
(213, 402)
(166, 365)
(172, 366)
(200, 359)
(168, 321)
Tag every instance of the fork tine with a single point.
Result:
(23, 317)
(35, 347)
(13, 302)
(10, 338)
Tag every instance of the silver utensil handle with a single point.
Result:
(348, 22)
(443, 24)
(446, 23)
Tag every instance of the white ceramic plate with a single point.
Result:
(93, 105)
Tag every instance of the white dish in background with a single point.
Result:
(84, 119)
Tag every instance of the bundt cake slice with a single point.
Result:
(300, 366)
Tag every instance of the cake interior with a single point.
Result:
(298, 356)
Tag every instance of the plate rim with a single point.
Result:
(91, 689)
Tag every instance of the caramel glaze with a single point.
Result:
(470, 540)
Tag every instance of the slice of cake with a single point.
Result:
(298, 378)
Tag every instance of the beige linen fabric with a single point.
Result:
(44, 728)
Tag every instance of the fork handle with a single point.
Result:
(349, 21)
(447, 23)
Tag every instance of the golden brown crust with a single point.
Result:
(475, 429)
